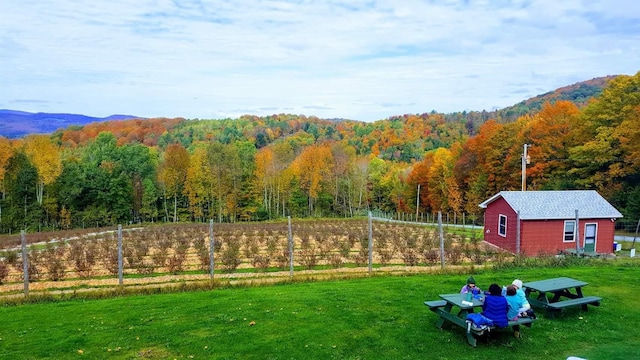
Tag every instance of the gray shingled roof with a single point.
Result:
(539, 205)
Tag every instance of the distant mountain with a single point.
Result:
(16, 124)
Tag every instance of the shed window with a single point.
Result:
(502, 226)
(569, 231)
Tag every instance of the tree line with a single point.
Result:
(257, 168)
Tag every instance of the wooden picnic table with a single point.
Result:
(552, 291)
(445, 309)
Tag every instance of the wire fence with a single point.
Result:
(128, 255)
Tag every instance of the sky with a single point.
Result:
(358, 59)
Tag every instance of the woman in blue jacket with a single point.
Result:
(495, 306)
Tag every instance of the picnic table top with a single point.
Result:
(457, 299)
(555, 284)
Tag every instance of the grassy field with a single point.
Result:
(378, 317)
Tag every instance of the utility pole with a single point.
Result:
(418, 203)
(526, 159)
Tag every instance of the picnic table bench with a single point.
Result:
(562, 287)
(444, 309)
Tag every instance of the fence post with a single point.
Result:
(25, 262)
(212, 243)
(370, 244)
(440, 231)
(120, 272)
(290, 247)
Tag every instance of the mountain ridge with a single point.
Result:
(16, 123)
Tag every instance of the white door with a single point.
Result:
(590, 231)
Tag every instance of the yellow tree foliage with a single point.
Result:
(173, 173)
(629, 134)
(273, 175)
(313, 168)
(444, 193)
(6, 152)
(197, 182)
(45, 156)
(394, 180)
(265, 172)
(601, 161)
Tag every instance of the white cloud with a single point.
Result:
(363, 60)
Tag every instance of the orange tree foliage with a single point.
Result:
(443, 192)
(273, 175)
(134, 131)
(313, 169)
(419, 175)
(551, 138)
(459, 160)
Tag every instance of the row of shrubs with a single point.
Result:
(261, 247)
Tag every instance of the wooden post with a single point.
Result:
(25, 262)
(370, 244)
(290, 247)
(212, 244)
(120, 272)
(418, 202)
(441, 232)
(633, 244)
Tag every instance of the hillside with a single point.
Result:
(266, 167)
(579, 93)
(16, 124)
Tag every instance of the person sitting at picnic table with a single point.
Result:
(515, 305)
(514, 301)
(470, 287)
(525, 309)
(495, 306)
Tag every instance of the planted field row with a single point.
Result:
(175, 249)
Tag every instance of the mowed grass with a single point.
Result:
(377, 317)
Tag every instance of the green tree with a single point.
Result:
(22, 208)
(603, 159)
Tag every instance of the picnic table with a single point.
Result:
(446, 313)
(551, 294)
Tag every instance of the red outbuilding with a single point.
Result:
(547, 222)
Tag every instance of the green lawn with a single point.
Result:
(379, 317)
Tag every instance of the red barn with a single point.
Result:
(546, 222)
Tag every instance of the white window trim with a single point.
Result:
(564, 227)
(595, 235)
(500, 217)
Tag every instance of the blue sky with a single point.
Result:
(360, 59)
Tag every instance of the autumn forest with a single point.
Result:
(258, 168)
